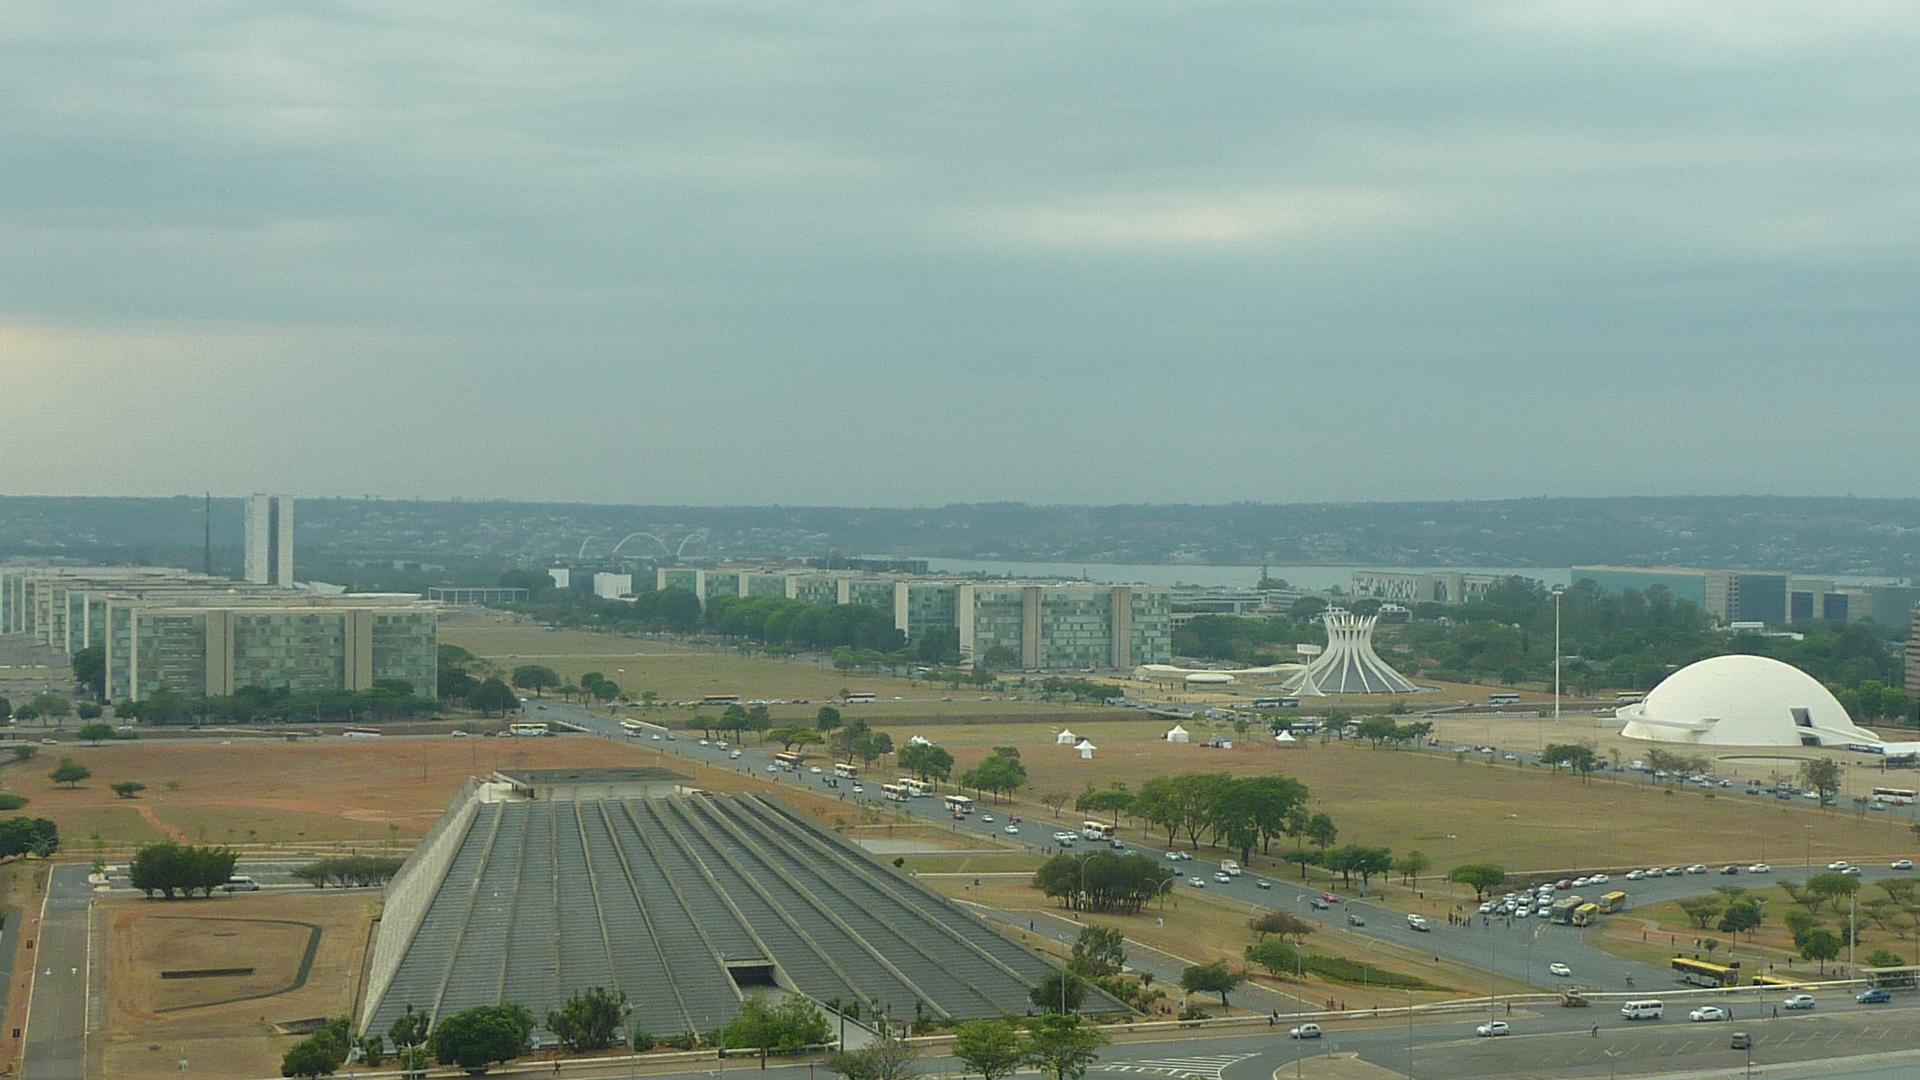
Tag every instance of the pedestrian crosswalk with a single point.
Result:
(1201, 1066)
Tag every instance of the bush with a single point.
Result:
(10, 801)
(1339, 969)
(642, 1042)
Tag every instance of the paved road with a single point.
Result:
(56, 1045)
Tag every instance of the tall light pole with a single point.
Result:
(1558, 592)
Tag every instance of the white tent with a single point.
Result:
(1285, 737)
(918, 741)
(1086, 749)
(1066, 737)
(1177, 734)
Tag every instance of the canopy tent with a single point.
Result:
(1177, 734)
(1086, 749)
(1066, 737)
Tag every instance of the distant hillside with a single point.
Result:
(1814, 535)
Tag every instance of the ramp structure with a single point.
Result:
(1349, 665)
(685, 901)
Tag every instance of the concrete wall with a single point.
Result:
(407, 897)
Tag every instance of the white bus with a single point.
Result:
(1894, 796)
(862, 698)
(914, 787)
(1096, 830)
(895, 792)
(359, 733)
(531, 729)
(959, 804)
(720, 699)
(1503, 699)
(846, 770)
(787, 760)
(633, 727)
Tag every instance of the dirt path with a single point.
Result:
(169, 830)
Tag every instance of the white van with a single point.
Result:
(1230, 868)
(1643, 1010)
(241, 883)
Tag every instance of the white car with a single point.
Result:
(1900, 864)
(1759, 868)
(1798, 1001)
(1493, 1030)
(1012, 830)
(1221, 877)
(1305, 1031)
(814, 769)
(458, 734)
(1838, 864)
(1198, 883)
(1486, 908)
(988, 818)
(857, 789)
(656, 738)
(1707, 1013)
(733, 755)
(773, 768)
(1697, 868)
(1636, 875)
(704, 742)
(1599, 879)
(1561, 970)
(1581, 883)
(721, 743)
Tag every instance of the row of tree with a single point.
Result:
(777, 620)
(349, 870)
(385, 700)
(1105, 882)
(172, 869)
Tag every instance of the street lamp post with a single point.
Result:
(1410, 1074)
(1558, 591)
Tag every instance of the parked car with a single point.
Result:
(1707, 1013)
(1798, 1001)
(1305, 1031)
(1493, 1030)
(1740, 1041)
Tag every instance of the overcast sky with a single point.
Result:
(904, 253)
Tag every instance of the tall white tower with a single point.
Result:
(269, 558)
(1349, 666)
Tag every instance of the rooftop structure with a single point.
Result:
(1450, 587)
(1740, 700)
(477, 595)
(684, 901)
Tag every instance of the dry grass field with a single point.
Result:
(223, 1025)
(1456, 811)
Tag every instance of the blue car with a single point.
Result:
(1875, 996)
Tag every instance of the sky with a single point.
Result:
(912, 253)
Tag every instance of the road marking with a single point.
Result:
(1209, 1067)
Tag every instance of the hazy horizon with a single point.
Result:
(879, 256)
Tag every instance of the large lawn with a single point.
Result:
(1455, 810)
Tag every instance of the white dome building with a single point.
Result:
(1741, 700)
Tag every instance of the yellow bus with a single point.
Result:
(1613, 901)
(1702, 973)
(1778, 982)
(1586, 914)
(787, 760)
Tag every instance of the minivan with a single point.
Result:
(1643, 1010)
(241, 883)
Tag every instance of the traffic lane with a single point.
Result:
(57, 1018)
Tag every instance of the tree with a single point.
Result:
(70, 773)
(998, 658)
(482, 1036)
(1479, 877)
(1061, 1047)
(992, 1048)
(169, 869)
(1377, 729)
(1214, 977)
(1799, 924)
(95, 733)
(794, 1023)
(1882, 958)
(1098, 951)
(409, 1029)
(1277, 957)
(1058, 991)
(6, 710)
(1821, 945)
(1284, 924)
(535, 677)
(1832, 887)
(87, 710)
(492, 696)
(589, 1020)
(1115, 799)
(1321, 832)
(1822, 776)
(309, 1058)
(1700, 910)
(90, 669)
(1741, 916)
(51, 704)
(28, 836)
(127, 789)
(25, 753)
(1411, 865)
(827, 719)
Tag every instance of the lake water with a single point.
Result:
(1305, 577)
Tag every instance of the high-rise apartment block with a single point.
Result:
(269, 555)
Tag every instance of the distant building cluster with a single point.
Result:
(1037, 625)
(201, 636)
(1424, 587)
(1754, 596)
